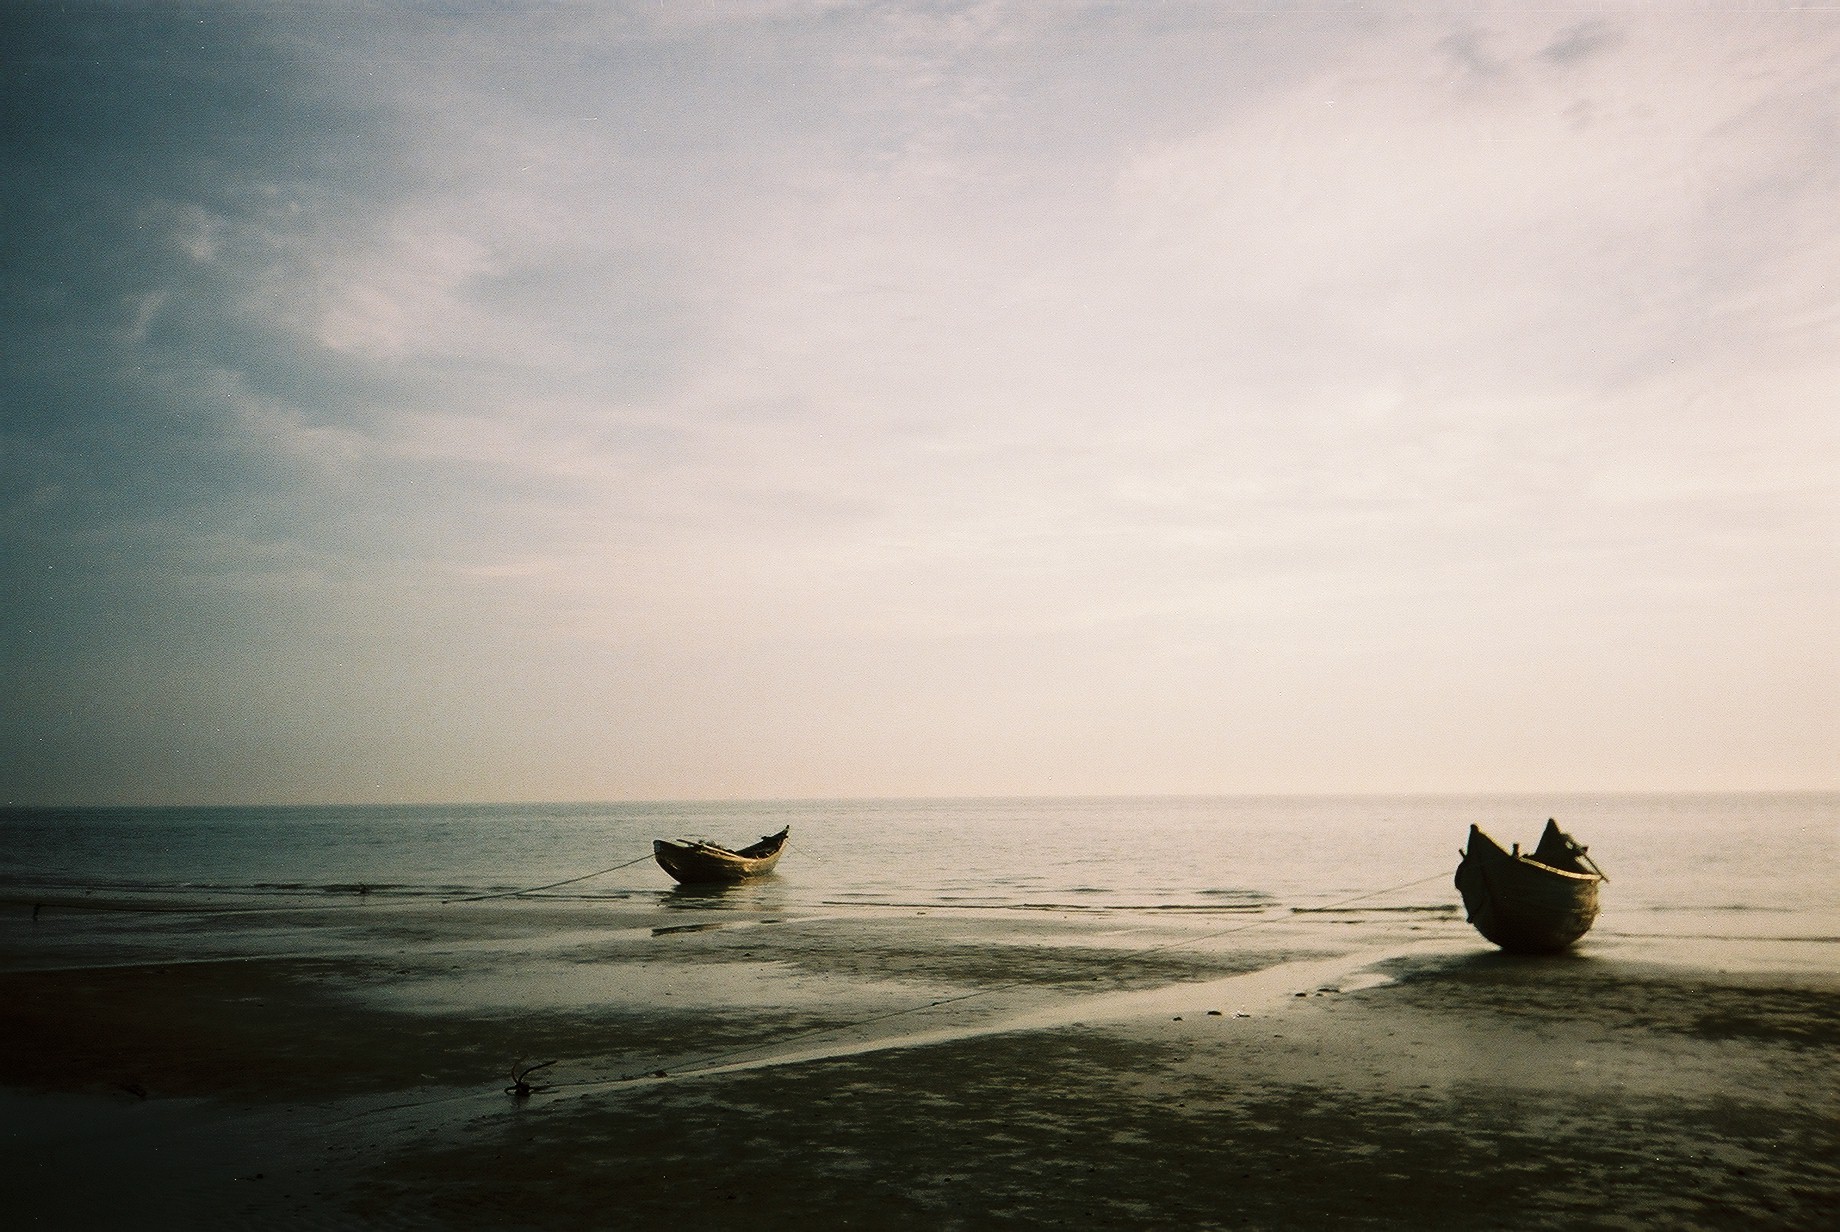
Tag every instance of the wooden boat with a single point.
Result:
(1529, 904)
(699, 862)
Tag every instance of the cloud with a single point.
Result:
(692, 359)
(1423, 223)
(1579, 43)
(406, 299)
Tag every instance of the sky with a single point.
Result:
(796, 398)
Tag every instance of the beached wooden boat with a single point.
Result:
(699, 862)
(1529, 904)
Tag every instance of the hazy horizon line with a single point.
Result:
(1431, 794)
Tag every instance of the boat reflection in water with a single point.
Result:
(1529, 904)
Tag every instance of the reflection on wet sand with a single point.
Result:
(1064, 1067)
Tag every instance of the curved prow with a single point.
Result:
(1557, 849)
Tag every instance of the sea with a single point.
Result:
(1724, 866)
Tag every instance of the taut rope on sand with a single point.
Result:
(723, 1059)
(719, 1060)
(480, 898)
(208, 909)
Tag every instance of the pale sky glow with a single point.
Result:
(702, 400)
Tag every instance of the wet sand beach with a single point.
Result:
(901, 1068)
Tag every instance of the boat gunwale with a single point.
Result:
(1557, 872)
(1492, 850)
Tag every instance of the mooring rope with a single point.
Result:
(718, 1060)
(480, 898)
(168, 908)
(721, 1059)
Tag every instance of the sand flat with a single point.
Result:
(900, 1069)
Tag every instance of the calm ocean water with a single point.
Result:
(1754, 865)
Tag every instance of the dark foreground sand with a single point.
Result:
(345, 1069)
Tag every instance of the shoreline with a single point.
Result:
(900, 1068)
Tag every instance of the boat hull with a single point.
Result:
(1521, 904)
(695, 863)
